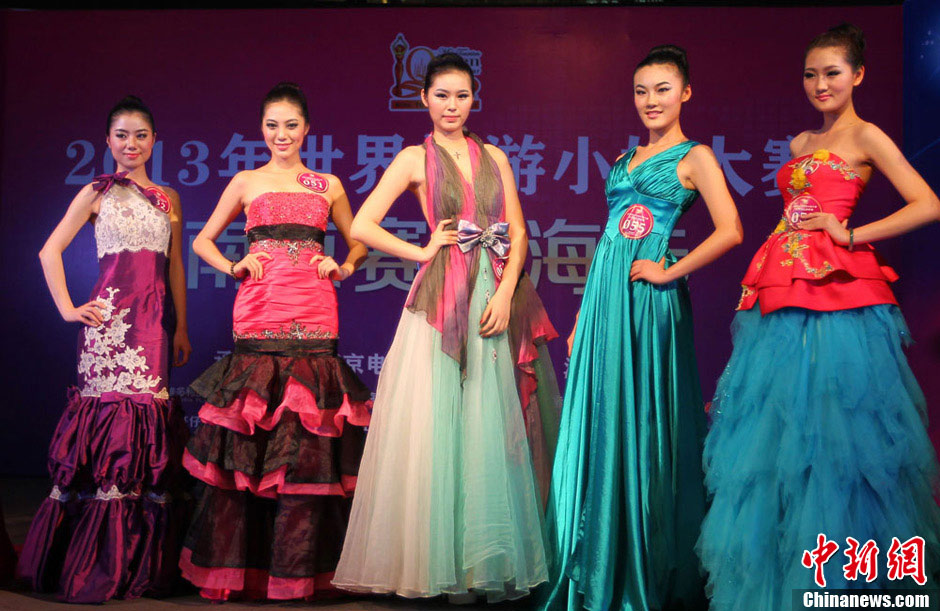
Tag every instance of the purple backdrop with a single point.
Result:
(555, 95)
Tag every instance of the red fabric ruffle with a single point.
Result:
(529, 327)
(250, 410)
(219, 583)
(269, 485)
(807, 269)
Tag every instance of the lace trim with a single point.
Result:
(293, 247)
(112, 494)
(295, 331)
(108, 364)
(128, 222)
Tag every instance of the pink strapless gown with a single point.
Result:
(281, 432)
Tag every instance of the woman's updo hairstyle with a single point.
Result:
(290, 92)
(668, 54)
(447, 62)
(130, 104)
(846, 36)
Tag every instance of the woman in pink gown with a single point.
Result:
(281, 432)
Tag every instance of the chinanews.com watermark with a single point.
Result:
(872, 599)
(903, 560)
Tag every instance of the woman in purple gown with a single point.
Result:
(107, 529)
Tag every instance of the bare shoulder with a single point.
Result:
(502, 161)
(410, 160)
(170, 191)
(701, 152)
(866, 133)
(495, 151)
(86, 196)
(798, 143)
(243, 179)
(335, 185)
(415, 152)
(87, 192)
(332, 179)
(701, 156)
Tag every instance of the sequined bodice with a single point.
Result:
(288, 207)
(127, 221)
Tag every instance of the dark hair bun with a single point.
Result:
(130, 104)
(447, 62)
(846, 36)
(286, 90)
(677, 53)
(668, 54)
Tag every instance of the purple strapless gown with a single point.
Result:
(108, 528)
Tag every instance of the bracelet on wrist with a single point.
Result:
(231, 270)
(851, 239)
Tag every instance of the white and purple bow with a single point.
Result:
(495, 237)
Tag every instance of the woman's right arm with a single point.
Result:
(80, 211)
(227, 210)
(367, 228)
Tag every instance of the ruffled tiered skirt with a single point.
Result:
(110, 528)
(818, 427)
(278, 450)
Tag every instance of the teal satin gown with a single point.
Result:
(627, 497)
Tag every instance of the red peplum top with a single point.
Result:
(807, 269)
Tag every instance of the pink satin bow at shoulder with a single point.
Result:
(103, 183)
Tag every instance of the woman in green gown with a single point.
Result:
(627, 497)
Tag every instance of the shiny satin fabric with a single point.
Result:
(627, 497)
(126, 284)
(110, 527)
(290, 299)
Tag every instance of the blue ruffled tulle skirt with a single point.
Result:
(818, 426)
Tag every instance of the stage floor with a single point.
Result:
(21, 497)
(29, 601)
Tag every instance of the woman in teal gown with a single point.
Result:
(627, 497)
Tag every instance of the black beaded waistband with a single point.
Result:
(286, 231)
(286, 347)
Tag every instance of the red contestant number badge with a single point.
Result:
(637, 222)
(800, 207)
(315, 183)
(159, 199)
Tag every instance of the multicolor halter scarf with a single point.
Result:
(444, 285)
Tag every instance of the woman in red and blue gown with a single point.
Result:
(818, 422)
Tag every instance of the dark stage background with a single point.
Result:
(555, 95)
